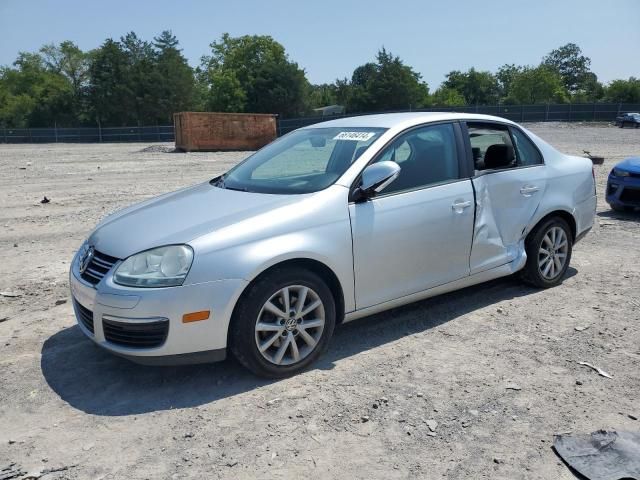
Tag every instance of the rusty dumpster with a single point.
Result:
(223, 131)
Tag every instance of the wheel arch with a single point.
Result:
(565, 215)
(315, 266)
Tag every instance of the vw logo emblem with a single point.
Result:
(85, 259)
(291, 324)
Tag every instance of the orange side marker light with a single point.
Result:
(195, 316)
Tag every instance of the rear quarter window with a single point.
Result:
(526, 152)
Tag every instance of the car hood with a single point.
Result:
(180, 217)
(631, 164)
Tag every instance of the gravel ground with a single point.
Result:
(472, 384)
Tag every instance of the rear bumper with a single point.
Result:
(584, 215)
(145, 324)
(623, 191)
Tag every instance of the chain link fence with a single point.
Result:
(162, 133)
(563, 112)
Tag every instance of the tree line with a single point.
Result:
(132, 81)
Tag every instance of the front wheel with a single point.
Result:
(549, 247)
(282, 323)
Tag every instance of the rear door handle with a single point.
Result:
(529, 190)
(458, 206)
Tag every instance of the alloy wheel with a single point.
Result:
(552, 253)
(290, 325)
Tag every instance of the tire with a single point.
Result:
(622, 208)
(252, 313)
(537, 270)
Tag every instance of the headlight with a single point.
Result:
(619, 173)
(159, 267)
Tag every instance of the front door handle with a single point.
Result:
(529, 190)
(458, 206)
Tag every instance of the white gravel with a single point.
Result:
(468, 385)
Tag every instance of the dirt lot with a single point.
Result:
(366, 410)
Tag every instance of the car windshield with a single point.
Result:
(304, 161)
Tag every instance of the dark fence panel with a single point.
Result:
(161, 133)
(564, 112)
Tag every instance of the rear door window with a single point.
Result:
(491, 146)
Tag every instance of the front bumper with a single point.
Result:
(110, 314)
(623, 191)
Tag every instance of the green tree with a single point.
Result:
(623, 91)
(142, 80)
(343, 92)
(571, 65)
(109, 94)
(322, 95)
(591, 90)
(32, 95)
(259, 67)
(476, 87)
(68, 60)
(537, 85)
(226, 94)
(387, 84)
(135, 82)
(505, 75)
(447, 97)
(175, 91)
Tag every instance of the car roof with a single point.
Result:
(407, 119)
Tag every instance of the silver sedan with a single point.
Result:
(327, 224)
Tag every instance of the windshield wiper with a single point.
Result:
(220, 184)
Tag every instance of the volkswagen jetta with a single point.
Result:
(330, 223)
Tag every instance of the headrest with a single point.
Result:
(498, 156)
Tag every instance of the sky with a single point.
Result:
(329, 38)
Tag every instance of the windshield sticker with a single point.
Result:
(354, 136)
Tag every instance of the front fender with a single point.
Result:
(323, 235)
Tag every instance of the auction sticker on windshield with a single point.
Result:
(354, 136)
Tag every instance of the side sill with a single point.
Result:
(481, 277)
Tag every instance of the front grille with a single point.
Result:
(136, 335)
(84, 315)
(630, 195)
(98, 267)
(634, 175)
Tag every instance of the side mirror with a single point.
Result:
(375, 178)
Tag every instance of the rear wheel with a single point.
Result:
(549, 247)
(283, 323)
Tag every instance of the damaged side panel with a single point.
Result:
(506, 202)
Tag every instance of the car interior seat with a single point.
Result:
(499, 156)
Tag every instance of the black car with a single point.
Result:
(628, 119)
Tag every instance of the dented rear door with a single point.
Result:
(506, 201)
